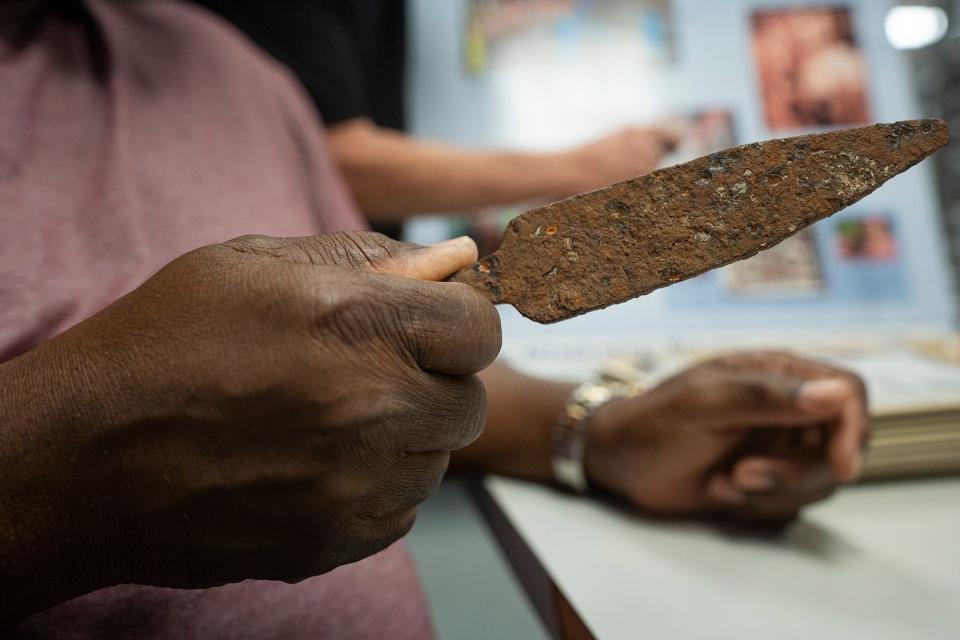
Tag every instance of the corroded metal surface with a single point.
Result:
(610, 245)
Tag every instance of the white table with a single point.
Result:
(877, 562)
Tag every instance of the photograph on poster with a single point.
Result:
(812, 72)
(868, 238)
(790, 268)
(497, 30)
(867, 255)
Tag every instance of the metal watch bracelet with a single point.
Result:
(569, 434)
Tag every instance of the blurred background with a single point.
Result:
(873, 286)
(549, 74)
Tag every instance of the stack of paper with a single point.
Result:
(915, 403)
(914, 443)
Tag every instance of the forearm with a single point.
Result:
(46, 555)
(393, 175)
(522, 411)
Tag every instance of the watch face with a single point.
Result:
(593, 394)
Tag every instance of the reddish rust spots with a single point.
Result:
(678, 222)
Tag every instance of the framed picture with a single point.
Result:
(812, 72)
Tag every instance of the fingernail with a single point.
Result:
(816, 395)
(454, 242)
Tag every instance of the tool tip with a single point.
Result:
(928, 131)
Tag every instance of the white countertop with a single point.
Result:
(879, 562)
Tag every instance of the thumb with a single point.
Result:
(365, 251)
(433, 262)
(839, 398)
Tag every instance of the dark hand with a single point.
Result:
(264, 408)
(756, 436)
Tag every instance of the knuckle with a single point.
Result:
(731, 390)
(456, 407)
(483, 320)
(352, 311)
(353, 249)
(254, 244)
(359, 249)
(707, 388)
(454, 323)
(382, 532)
(754, 393)
(206, 274)
(420, 480)
(474, 409)
(201, 256)
(780, 356)
(402, 524)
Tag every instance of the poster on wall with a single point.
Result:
(782, 67)
(812, 71)
(498, 30)
(868, 238)
(856, 257)
(868, 257)
(790, 268)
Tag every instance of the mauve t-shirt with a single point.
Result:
(131, 133)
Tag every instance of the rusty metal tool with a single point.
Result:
(613, 244)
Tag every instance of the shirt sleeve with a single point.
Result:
(311, 38)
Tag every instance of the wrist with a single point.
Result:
(603, 438)
(521, 412)
(579, 439)
(624, 453)
(52, 547)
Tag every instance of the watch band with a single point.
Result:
(569, 434)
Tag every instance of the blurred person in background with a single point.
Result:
(211, 438)
(350, 57)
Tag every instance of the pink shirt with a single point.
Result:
(131, 133)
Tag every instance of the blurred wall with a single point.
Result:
(713, 66)
(937, 80)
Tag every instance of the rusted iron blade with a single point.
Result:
(607, 246)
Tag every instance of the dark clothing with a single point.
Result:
(349, 54)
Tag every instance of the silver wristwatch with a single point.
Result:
(569, 434)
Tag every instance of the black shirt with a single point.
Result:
(348, 54)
